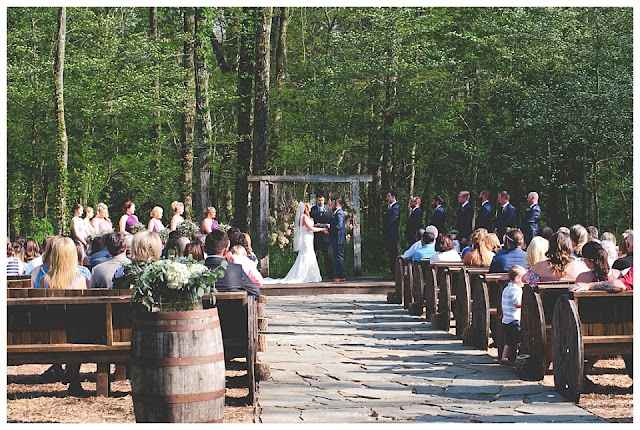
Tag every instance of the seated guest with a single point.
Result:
(15, 266)
(63, 268)
(563, 229)
(453, 235)
(416, 244)
(608, 236)
(217, 247)
(39, 271)
(250, 254)
(146, 246)
(592, 230)
(560, 266)
(537, 250)
(624, 282)
(626, 261)
(428, 245)
(172, 249)
(494, 243)
(512, 255)
(195, 250)
(18, 249)
(102, 274)
(597, 260)
(579, 236)
(545, 231)
(239, 256)
(174, 234)
(81, 268)
(480, 253)
(37, 261)
(445, 251)
(99, 252)
(31, 250)
(612, 251)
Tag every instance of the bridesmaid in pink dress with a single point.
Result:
(101, 222)
(155, 224)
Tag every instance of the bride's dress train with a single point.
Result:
(305, 269)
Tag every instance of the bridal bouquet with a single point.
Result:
(171, 285)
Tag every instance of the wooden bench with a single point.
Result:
(446, 276)
(464, 302)
(486, 306)
(94, 326)
(18, 281)
(586, 326)
(398, 295)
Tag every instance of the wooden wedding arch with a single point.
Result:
(263, 228)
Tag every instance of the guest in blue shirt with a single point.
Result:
(99, 252)
(514, 254)
(428, 245)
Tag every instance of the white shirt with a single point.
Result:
(511, 296)
(450, 256)
(33, 264)
(412, 249)
(464, 204)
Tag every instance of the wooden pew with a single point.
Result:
(464, 302)
(15, 277)
(486, 295)
(586, 326)
(535, 324)
(397, 296)
(446, 281)
(18, 281)
(94, 326)
(429, 289)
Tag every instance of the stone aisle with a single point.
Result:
(355, 358)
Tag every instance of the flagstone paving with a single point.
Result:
(355, 358)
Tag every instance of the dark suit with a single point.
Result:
(321, 240)
(337, 239)
(234, 277)
(505, 218)
(437, 220)
(529, 225)
(414, 222)
(464, 221)
(390, 234)
(485, 217)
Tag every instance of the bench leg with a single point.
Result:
(120, 373)
(102, 379)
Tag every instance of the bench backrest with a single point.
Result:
(605, 314)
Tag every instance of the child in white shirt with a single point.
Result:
(511, 304)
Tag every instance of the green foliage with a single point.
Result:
(39, 229)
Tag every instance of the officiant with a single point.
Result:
(321, 215)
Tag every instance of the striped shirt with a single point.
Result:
(15, 266)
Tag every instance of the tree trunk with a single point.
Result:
(203, 115)
(61, 137)
(188, 117)
(281, 75)
(245, 85)
(155, 128)
(261, 98)
(389, 113)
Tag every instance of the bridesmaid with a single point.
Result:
(209, 223)
(155, 224)
(88, 214)
(101, 222)
(128, 220)
(176, 219)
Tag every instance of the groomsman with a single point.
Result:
(437, 219)
(321, 215)
(337, 238)
(506, 216)
(414, 221)
(390, 231)
(485, 212)
(529, 225)
(464, 218)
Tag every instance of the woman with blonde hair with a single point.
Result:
(39, 272)
(536, 250)
(146, 246)
(209, 223)
(101, 222)
(155, 224)
(88, 214)
(63, 272)
(480, 253)
(494, 242)
(176, 219)
(579, 236)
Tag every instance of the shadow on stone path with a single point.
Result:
(355, 358)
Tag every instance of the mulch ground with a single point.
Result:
(608, 393)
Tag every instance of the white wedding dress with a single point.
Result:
(305, 269)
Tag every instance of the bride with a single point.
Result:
(305, 269)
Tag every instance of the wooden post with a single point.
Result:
(357, 248)
(264, 228)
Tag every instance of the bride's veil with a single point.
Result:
(297, 232)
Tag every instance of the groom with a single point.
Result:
(337, 238)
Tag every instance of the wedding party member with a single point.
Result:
(216, 246)
(209, 223)
(506, 216)
(88, 214)
(321, 215)
(78, 231)
(390, 232)
(597, 260)
(101, 222)
(513, 254)
(484, 218)
(128, 220)
(337, 232)
(464, 218)
(176, 219)
(102, 274)
(155, 224)
(437, 219)
(529, 224)
(445, 251)
(414, 221)
(560, 264)
(239, 256)
(626, 260)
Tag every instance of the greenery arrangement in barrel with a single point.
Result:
(177, 358)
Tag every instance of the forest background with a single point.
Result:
(161, 104)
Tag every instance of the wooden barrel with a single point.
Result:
(177, 367)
